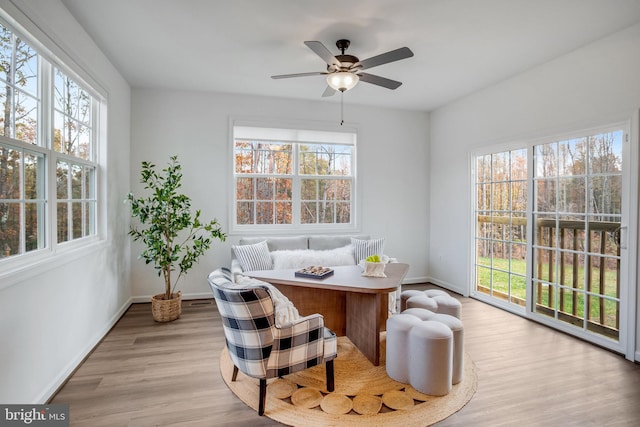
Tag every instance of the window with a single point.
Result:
(22, 207)
(75, 173)
(48, 161)
(76, 203)
(501, 207)
(293, 178)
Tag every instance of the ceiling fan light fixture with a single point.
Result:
(342, 81)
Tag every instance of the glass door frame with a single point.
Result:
(628, 328)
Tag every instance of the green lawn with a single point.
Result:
(499, 281)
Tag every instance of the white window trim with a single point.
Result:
(290, 229)
(17, 269)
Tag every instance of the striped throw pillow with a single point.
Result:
(365, 248)
(253, 257)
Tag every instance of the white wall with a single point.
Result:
(52, 315)
(392, 168)
(597, 84)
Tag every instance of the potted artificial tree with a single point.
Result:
(174, 239)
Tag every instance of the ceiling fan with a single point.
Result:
(344, 71)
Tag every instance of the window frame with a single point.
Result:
(296, 226)
(43, 226)
(48, 255)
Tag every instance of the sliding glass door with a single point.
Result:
(577, 217)
(550, 238)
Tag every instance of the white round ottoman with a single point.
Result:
(398, 328)
(448, 305)
(422, 313)
(422, 301)
(405, 295)
(435, 300)
(430, 357)
(457, 329)
(435, 292)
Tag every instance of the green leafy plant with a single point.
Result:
(174, 239)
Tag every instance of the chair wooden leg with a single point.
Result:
(263, 396)
(235, 373)
(329, 369)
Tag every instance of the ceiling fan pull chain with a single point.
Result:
(341, 108)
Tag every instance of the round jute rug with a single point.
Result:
(363, 395)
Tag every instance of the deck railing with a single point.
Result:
(597, 260)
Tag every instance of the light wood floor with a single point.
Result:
(145, 374)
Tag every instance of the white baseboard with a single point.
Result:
(57, 382)
(414, 280)
(449, 286)
(189, 296)
(441, 283)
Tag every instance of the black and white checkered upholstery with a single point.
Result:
(256, 346)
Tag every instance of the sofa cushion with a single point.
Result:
(253, 257)
(365, 248)
(278, 243)
(331, 242)
(304, 258)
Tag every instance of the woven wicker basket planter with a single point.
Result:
(166, 310)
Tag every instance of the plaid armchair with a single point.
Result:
(260, 349)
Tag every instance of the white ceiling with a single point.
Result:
(234, 46)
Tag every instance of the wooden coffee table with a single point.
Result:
(352, 305)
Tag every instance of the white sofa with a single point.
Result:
(304, 250)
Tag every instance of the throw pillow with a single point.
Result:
(253, 257)
(305, 257)
(365, 248)
(285, 312)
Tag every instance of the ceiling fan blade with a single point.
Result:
(323, 53)
(380, 81)
(384, 58)
(329, 91)
(286, 76)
